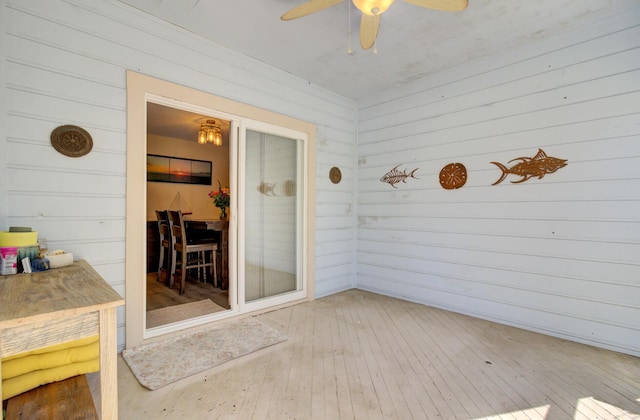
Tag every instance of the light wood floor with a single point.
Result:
(160, 296)
(358, 355)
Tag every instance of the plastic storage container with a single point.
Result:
(8, 260)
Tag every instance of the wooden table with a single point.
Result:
(59, 305)
(223, 227)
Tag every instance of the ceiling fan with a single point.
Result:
(371, 11)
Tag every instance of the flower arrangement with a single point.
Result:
(221, 199)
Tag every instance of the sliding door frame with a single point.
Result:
(139, 88)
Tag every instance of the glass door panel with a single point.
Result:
(272, 216)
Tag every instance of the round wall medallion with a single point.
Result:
(335, 175)
(71, 140)
(453, 176)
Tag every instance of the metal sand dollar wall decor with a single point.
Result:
(539, 166)
(453, 176)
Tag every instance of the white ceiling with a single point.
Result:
(413, 42)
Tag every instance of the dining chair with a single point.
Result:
(164, 261)
(193, 254)
(198, 231)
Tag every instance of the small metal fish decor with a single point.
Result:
(394, 176)
(539, 166)
(267, 188)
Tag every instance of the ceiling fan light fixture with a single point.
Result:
(371, 12)
(372, 7)
(210, 133)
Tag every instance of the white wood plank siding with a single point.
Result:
(64, 62)
(558, 255)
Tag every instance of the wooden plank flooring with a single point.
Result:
(161, 296)
(358, 355)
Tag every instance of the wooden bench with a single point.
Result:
(67, 399)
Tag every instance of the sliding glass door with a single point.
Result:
(271, 229)
(272, 215)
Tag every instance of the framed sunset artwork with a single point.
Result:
(178, 170)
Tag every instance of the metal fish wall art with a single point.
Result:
(394, 176)
(539, 166)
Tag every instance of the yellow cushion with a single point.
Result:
(19, 384)
(28, 370)
(29, 362)
(68, 344)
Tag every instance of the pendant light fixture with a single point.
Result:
(210, 133)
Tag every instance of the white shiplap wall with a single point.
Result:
(65, 63)
(558, 255)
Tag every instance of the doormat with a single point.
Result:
(158, 364)
(176, 313)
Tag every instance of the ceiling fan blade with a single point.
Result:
(444, 5)
(308, 8)
(369, 30)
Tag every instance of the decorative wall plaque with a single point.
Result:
(539, 166)
(335, 175)
(453, 176)
(71, 140)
